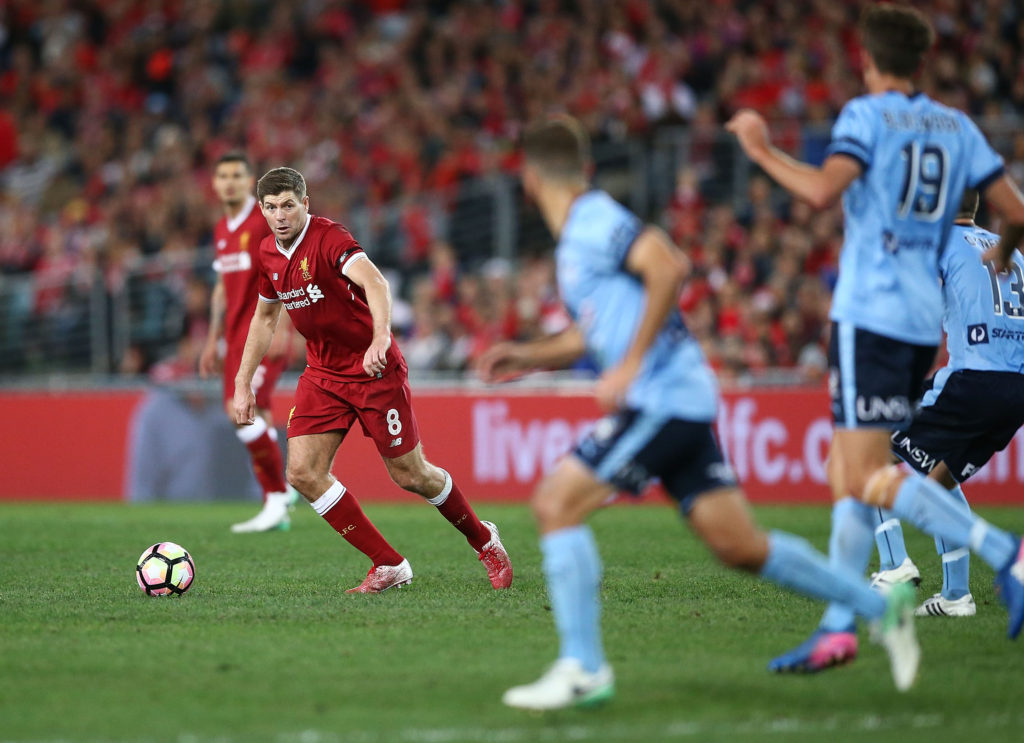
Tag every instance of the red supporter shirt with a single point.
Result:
(324, 305)
(237, 241)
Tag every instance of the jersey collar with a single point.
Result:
(236, 221)
(298, 240)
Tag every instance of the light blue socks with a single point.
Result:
(929, 507)
(795, 564)
(572, 567)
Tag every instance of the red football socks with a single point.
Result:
(341, 510)
(453, 506)
(267, 463)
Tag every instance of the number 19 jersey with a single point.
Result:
(917, 157)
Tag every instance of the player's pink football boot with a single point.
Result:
(383, 577)
(495, 559)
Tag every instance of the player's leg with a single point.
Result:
(572, 569)
(722, 519)
(834, 641)
(384, 408)
(309, 470)
(895, 566)
(412, 472)
(260, 439)
(955, 599)
(926, 504)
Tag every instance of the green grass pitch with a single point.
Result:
(266, 646)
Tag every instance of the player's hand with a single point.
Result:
(996, 257)
(611, 388)
(376, 357)
(751, 131)
(210, 362)
(245, 404)
(501, 362)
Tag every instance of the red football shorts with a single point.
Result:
(382, 406)
(263, 381)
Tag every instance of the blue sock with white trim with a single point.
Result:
(956, 559)
(849, 548)
(572, 567)
(892, 550)
(927, 505)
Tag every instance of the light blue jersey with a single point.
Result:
(607, 303)
(917, 157)
(984, 319)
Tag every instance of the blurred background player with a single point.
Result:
(237, 236)
(620, 281)
(901, 163)
(975, 403)
(341, 304)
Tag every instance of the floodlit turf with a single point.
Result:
(266, 646)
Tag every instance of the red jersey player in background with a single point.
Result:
(237, 236)
(341, 304)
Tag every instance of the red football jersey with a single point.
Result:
(237, 242)
(329, 310)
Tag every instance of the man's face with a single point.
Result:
(232, 182)
(286, 215)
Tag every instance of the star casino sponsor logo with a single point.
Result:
(301, 297)
(1017, 336)
(304, 267)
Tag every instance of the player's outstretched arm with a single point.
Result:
(261, 332)
(662, 268)
(819, 187)
(1004, 195)
(209, 362)
(364, 274)
(504, 361)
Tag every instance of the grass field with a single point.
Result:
(267, 646)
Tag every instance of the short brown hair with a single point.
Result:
(559, 148)
(234, 156)
(280, 180)
(897, 38)
(969, 204)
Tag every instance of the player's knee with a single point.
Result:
(411, 479)
(881, 486)
(548, 509)
(740, 552)
(301, 477)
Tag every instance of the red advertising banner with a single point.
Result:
(497, 443)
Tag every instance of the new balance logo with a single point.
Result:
(314, 293)
(395, 442)
(977, 334)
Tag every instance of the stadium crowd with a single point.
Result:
(112, 111)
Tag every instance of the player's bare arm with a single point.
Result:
(1004, 195)
(504, 361)
(662, 268)
(819, 187)
(261, 333)
(281, 345)
(368, 277)
(209, 361)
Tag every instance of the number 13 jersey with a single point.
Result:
(917, 157)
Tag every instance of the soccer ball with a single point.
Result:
(165, 568)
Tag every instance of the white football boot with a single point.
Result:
(905, 572)
(895, 632)
(495, 559)
(274, 515)
(383, 577)
(939, 606)
(565, 684)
